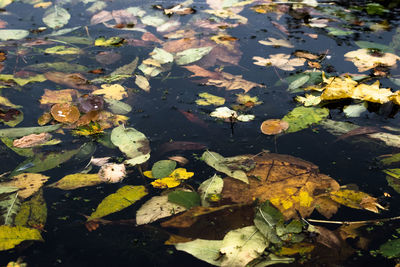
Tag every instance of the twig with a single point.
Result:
(354, 222)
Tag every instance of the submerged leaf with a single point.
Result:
(209, 99)
(302, 117)
(123, 198)
(18, 132)
(163, 168)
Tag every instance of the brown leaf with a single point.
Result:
(65, 113)
(149, 37)
(88, 117)
(201, 72)
(107, 57)
(274, 126)
(32, 140)
(233, 82)
(102, 16)
(75, 80)
(306, 55)
(291, 184)
(58, 96)
(44, 118)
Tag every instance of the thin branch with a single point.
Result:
(354, 222)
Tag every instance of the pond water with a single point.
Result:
(301, 47)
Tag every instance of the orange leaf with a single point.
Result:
(65, 113)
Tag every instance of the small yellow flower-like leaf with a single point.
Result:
(167, 182)
(181, 174)
(148, 174)
(172, 180)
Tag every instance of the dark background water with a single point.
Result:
(67, 241)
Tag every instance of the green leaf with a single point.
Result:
(302, 117)
(191, 55)
(370, 45)
(77, 180)
(56, 17)
(112, 41)
(220, 163)
(391, 249)
(210, 187)
(303, 79)
(163, 168)
(22, 131)
(131, 142)
(123, 198)
(23, 81)
(375, 9)
(391, 159)
(184, 198)
(355, 110)
(393, 178)
(8, 34)
(118, 107)
(44, 161)
(205, 250)
(33, 213)
(242, 245)
(63, 50)
(338, 32)
(266, 219)
(9, 204)
(75, 40)
(127, 69)
(12, 236)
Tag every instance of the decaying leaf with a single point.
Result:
(11, 236)
(302, 117)
(9, 204)
(172, 180)
(156, 208)
(206, 250)
(113, 91)
(32, 140)
(112, 172)
(28, 183)
(276, 42)
(281, 61)
(364, 59)
(209, 189)
(209, 99)
(32, 213)
(233, 82)
(356, 200)
(58, 96)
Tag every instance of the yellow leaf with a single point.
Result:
(148, 174)
(298, 248)
(5, 102)
(225, 40)
(209, 99)
(28, 183)
(309, 100)
(12, 236)
(124, 197)
(43, 5)
(281, 61)
(167, 182)
(172, 180)
(181, 174)
(77, 180)
(113, 91)
(365, 60)
(356, 200)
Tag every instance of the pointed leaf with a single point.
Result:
(209, 188)
(33, 213)
(56, 17)
(28, 183)
(163, 168)
(205, 250)
(184, 198)
(12, 236)
(9, 204)
(77, 180)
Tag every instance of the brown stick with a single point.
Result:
(355, 222)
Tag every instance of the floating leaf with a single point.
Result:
(184, 198)
(241, 246)
(32, 140)
(156, 208)
(65, 113)
(58, 96)
(356, 200)
(77, 180)
(371, 45)
(117, 106)
(8, 34)
(123, 198)
(112, 172)
(23, 80)
(274, 126)
(5, 102)
(173, 180)
(163, 168)
(281, 61)
(210, 188)
(191, 55)
(205, 250)
(9, 204)
(28, 183)
(225, 165)
(112, 41)
(113, 91)
(33, 213)
(18, 132)
(56, 17)
(209, 99)
(276, 42)
(63, 50)
(298, 82)
(142, 82)
(338, 32)
(354, 111)
(302, 117)
(12, 236)
(131, 142)
(224, 113)
(365, 60)
(390, 249)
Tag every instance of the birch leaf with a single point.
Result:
(77, 180)
(12, 236)
(123, 198)
(191, 55)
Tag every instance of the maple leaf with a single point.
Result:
(365, 60)
(281, 61)
(113, 91)
(233, 82)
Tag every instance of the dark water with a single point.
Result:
(157, 115)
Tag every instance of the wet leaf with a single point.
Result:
(65, 113)
(354, 111)
(56, 17)
(32, 140)
(112, 172)
(112, 41)
(28, 183)
(22, 131)
(142, 82)
(11, 236)
(356, 200)
(117, 106)
(209, 99)
(298, 248)
(23, 80)
(63, 50)
(163, 168)
(9, 204)
(390, 249)
(121, 199)
(107, 57)
(302, 117)
(298, 82)
(184, 198)
(58, 96)
(191, 55)
(8, 34)
(91, 128)
(5, 102)
(44, 161)
(338, 32)
(157, 207)
(371, 45)
(205, 250)
(224, 113)
(281, 61)
(33, 213)
(210, 188)
(233, 82)
(132, 143)
(77, 180)
(309, 100)
(241, 246)
(74, 80)
(274, 126)
(113, 91)
(276, 42)
(172, 180)
(266, 219)
(365, 60)
(225, 165)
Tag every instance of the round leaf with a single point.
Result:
(65, 113)
(163, 168)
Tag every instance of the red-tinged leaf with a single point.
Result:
(280, 27)
(74, 80)
(102, 16)
(193, 118)
(149, 37)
